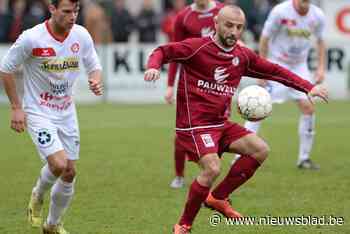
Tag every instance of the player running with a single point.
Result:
(51, 54)
(212, 69)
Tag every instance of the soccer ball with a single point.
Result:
(254, 103)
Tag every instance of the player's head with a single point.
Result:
(302, 6)
(201, 4)
(64, 13)
(229, 25)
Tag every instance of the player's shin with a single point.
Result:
(306, 136)
(196, 196)
(44, 182)
(61, 196)
(240, 172)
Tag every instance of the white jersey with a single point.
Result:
(50, 68)
(290, 33)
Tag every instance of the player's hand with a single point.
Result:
(96, 86)
(319, 76)
(318, 91)
(152, 74)
(262, 83)
(18, 120)
(169, 95)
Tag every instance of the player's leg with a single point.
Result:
(61, 196)
(251, 126)
(179, 159)
(254, 152)
(306, 134)
(44, 136)
(198, 192)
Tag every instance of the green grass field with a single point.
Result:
(126, 166)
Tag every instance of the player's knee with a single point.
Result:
(263, 152)
(68, 174)
(213, 171)
(307, 108)
(58, 167)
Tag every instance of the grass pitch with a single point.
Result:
(126, 166)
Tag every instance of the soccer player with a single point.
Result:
(213, 67)
(51, 54)
(286, 39)
(196, 20)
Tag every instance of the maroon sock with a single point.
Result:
(239, 173)
(196, 196)
(180, 157)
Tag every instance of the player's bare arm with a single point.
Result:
(320, 72)
(95, 82)
(18, 117)
(169, 95)
(263, 52)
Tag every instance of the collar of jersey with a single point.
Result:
(59, 39)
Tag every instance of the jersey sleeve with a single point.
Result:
(18, 53)
(321, 26)
(90, 59)
(260, 68)
(172, 52)
(272, 24)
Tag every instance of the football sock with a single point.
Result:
(252, 126)
(44, 182)
(196, 196)
(239, 173)
(61, 195)
(180, 158)
(306, 136)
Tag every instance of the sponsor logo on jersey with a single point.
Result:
(288, 22)
(299, 33)
(206, 15)
(220, 75)
(75, 47)
(43, 52)
(61, 65)
(207, 32)
(225, 54)
(215, 88)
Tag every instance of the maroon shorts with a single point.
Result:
(199, 142)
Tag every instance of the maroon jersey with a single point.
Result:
(190, 23)
(210, 76)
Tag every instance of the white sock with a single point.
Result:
(44, 182)
(252, 126)
(306, 136)
(61, 195)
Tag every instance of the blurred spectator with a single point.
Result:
(230, 2)
(5, 21)
(122, 22)
(147, 22)
(167, 24)
(257, 15)
(25, 14)
(93, 17)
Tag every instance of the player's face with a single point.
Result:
(303, 5)
(202, 4)
(230, 29)
(65, 14)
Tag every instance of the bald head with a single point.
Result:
(231, 12)
(229, 25)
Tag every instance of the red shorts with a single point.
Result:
(200, 142)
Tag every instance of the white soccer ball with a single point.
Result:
(254, 103)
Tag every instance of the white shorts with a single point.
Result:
(281, 93)
(50, 137)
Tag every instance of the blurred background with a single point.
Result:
(126, 31)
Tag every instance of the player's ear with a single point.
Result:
(52, 8)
